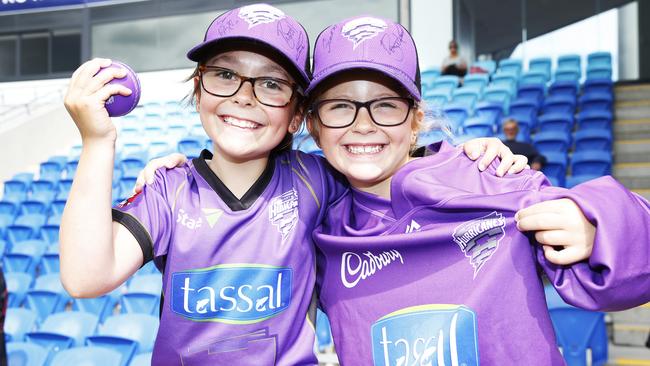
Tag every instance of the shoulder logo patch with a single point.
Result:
(283, 212)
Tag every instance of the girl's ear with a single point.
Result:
(312, 127)
(296, 121)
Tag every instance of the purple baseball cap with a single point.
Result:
(263, 25)
(367, 42)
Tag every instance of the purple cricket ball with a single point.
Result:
(118, 105)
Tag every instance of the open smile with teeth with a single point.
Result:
(364, 149)
(241, 123)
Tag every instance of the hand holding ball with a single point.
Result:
(118, 105)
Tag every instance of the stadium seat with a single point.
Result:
(563, 104)
(567, 88)
(510, 66)
(437, 98)
(594, 163)
(50, 233)
(176, 132)
(131, 167)
(599, 72)
(498, 94)
(524, 110)
(47, 296)
(483, 67)
(455, 116)
(577, 331)
(541, 64)
(64, 330)
(574, 180)
(25, 256)
(15, 188)
(71, 168)
(133, 150)
(33, 207)
(588, 120)
(489, 110)
(561, 122)
(323, 332)
(9, 208)
(25, 177)
(158, 148)
(143, 294)
(18, 284)
(102, 306)
(25, 354)
(569, 62)
(446, 83)
(57, 206)
(50, 170)
(599, 59)
(427, 77)
(18, 321)
(595, 139)
(143, 359)
(128, 334)
(86, 356)
(555, 167)
(428, 137)
(531, 92)
(533, 77)
(50, 263)
(190, 146)
(551, 141)
(567, 75)
(476, 82)
(596, 102)
(478, 127)
(597, 86)
(197, 130)
(25, 227)
(507, 81)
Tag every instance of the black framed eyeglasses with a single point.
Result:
(222, 82)
(340, 113)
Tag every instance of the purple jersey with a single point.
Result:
(238, 274)
(440, 275)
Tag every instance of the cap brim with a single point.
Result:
(198, 54)
(390, 72)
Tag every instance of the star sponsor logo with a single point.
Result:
(212, 215)
(431, 334)
(355, 267)
(258, 14)
(283, 212)
(362, 29)
(479, 238)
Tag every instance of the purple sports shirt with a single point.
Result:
(238, 274)
(440, 275)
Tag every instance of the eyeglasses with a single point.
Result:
(222, 82)
(340, 113)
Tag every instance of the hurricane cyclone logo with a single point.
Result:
(283, 212)
(361, 29)
(480, 238)
(260, 14)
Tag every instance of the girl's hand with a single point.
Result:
(559, 224)
(87, 95)
(146, 175)
(492, 147)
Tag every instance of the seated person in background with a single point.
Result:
(511, 129)
(454, 64)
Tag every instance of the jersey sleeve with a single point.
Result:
(331, 184)
(617, 274)
(148, 216)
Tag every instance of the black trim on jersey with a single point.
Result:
(235, 204)
(138, 231)
(422, 151)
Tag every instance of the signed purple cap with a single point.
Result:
(367, 42)
(264, 26)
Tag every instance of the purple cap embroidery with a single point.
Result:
(367, 43)
(260, 23)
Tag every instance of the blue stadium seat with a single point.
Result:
(133, 150)
(562, 122)
(498, 94)
(541, 64)
(479, 127)
(190, 146)
(9, 208)
(599, 72)
(126, 185)
(510, 66)
(59, 159)
(428, 137)
(559, 104)
(456, 115)
(64, 330)
(588, 120)
(427, 77)
(86, 356)
(569, 62)
(597, 86)
(596, 102)
(577, 331)
(47, 296)
(102, 306)
(128, 334)
(147, 268)
(143, 359)
(50, 233)
(34, 207)
(131, 167)
(483, 67)
(524, 110)
(25, 354)
(464, 97)
(594, 163)
(158, 148)
(489, 110)
(18, 284)
(323, 332)
(57, 206)
(18, 321)
(551, 141)
(25, 256)
(555, 167)
(176, 132)
(599, 59)
(17, 188)
(567, 75)
(508, 81)
(596, 139)
(446, 83)
(25, 177)
(143, 294)
(574, 180)
(25, 227)
(476, 82)
(50, 263)
(569, 88)
(437, 98)
(533, 77)
(50, 170)
(71, 168)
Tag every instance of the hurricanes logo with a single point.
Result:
(283, 212)
(479, 238)
(361, 29)
(260, 14)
